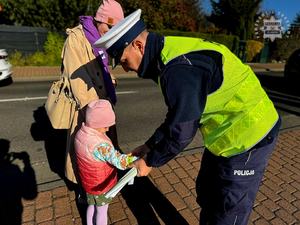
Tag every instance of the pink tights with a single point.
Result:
(100, 214)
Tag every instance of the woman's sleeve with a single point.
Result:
(74, 62)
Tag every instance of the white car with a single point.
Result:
(5, 66)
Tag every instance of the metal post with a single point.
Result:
(36, 41)
(264, 55)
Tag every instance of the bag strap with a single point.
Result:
(67, 82)
(66, 88)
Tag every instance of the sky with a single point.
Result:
(288, 8)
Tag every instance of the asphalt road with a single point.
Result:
(140, 109)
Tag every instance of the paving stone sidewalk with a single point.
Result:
(168, 195)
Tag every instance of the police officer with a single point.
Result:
(206, 87)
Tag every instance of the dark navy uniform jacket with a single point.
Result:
(185, 83)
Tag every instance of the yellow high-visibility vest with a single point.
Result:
(237, 115)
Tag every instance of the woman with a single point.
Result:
(87, 69)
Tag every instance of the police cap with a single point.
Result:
(121, 35)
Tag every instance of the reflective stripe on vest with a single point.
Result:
(237, 115)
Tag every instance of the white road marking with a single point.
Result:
(45, 97)
(126, 92)
(22, 99)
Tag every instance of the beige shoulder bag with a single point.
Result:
(60, 104)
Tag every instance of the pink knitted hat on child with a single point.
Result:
(109, 12)
(99, 113)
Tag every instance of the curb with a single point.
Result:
(40, 73)
(267, 67)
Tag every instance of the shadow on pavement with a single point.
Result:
(16, 183)
(143, 198)
(54, 140)
(55, 145)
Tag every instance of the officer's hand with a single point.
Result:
(140, 151)
(142, 168)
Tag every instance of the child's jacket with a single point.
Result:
(97, 176)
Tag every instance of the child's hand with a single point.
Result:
(131, 158)
(131, 165)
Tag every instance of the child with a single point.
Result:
(97, 159)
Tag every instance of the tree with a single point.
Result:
(52, 14)
(57, 15)
(183, 15)
(295, 27)
(297, 19)
(235, 16)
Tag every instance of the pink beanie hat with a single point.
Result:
(109, 12)
(99, 113)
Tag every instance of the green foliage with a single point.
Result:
(55, 14)
(228, 40)
(50, 56)
(253, 48)
(235, 17)
(37, 59)
(281, 49)
(52, 47)
(184, 15)
(16, 59)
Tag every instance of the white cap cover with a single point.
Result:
(122, 34)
